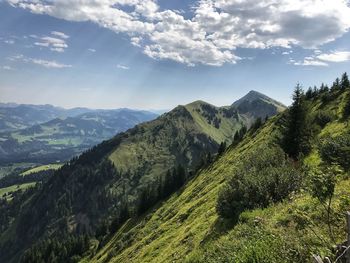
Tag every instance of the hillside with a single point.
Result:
(98, 191)
(62, 138)
(187, 227)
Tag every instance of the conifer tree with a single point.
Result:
(344, 83)
(336, 85)
(346, 110)
(296, 134)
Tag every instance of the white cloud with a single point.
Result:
(49, 64)
(9, 41)
(216, 28)
(92, 50)
(310, 62)
(336, 56)
(7, 68)
(320, 59)
(59, 34)
(123, 67)
(53, 43)
(40, 62)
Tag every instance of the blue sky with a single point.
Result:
(157, 54)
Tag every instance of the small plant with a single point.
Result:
(322, 188)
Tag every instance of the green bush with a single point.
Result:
(336, 151)
(322, 118)
(264, 177)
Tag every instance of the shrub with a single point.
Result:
(264, 177)
(336, 151)
(322, 118)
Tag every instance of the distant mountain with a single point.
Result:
(94, 192)
(19, 116)
(258, 105)
(61, 138)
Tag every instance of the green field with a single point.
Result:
(14, 188)
(8, 169)
(42, 168)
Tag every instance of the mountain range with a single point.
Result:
(121, 177)
(43, 134)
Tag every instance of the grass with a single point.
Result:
(186, 227)
(8, 169)
(13, 188)
(42, 168)
(183, 222)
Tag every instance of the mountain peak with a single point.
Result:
(258, 105)
(253, 95)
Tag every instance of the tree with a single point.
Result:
(346, 110)
(309, 94)
(296, 133)
(344, 83)
(324, 88)
(257, 124)
(336, 85)
(222, 148)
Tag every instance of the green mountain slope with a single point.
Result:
(90, 196)
(187, 228)
(182, 224)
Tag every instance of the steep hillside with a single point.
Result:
(187, 228)
(61, 139)
(91, 196)
(184, 223)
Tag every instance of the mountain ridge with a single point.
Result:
(156, 156)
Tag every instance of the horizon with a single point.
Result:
(125, 54)
(137, 109)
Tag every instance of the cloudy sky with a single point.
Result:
(161, 53)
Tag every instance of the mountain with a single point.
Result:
(187, 228)
(122, 177)
(258, 105)
(20, 116)
(61, 138)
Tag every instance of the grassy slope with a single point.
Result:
(42, 168)
(186, 227)
(187, 218)
(15, 188)
(154, 149)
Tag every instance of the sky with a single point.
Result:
(157, 54)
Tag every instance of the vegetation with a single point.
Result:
(297, 133)
(171, 191)
(59, 139)
(278, 226)
(263, 177)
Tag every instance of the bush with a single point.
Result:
(264, 177)
(322, 118)
(336, 151)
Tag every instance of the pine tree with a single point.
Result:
(297, 133)
(344, 83)
(336, 85)
(309, 94)
(346, 110)
(222, 148)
